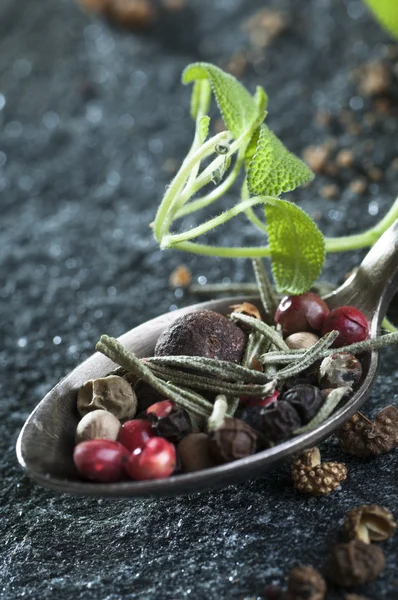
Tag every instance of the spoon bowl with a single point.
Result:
(45, 444)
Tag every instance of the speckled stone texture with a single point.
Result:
(90, 117)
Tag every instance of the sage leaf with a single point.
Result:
(297, 246)
(386, 12)
(238, 108)
(273, 169)
(203, 128)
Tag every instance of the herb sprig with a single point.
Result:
(295, 246)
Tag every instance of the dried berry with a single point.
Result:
(362, 438)
(247, 309)
(101, 460)
(369, 523)
(340, 369)
(354, 436)
(350, 322)
(301, 340)
(234, 439)
(135, 434)
(276, 422)
(296, 314)
(160, 409)
(305, 583)
(306, 399)
(355, 563)
(203, 333)
(313, 477)
(112, 393)
(155, 460)
(97, 424)
(194, 452)
(249, 401)
(174, 426)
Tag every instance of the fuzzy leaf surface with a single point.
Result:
(297, 246)
(386, 12)
(273, 169)
(238, 108)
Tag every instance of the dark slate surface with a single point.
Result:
(88, 116)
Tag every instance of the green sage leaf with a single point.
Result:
(238, 108)
(386, 11)
(273, 169)
(297, 246)
(200, 98)
(203, 128)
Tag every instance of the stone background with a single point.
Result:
(92, 120)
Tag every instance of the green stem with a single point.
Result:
(209, 198)
(224, 251)
(251, 215)
(263, 328)
(217, 417)
(165, 215)
(169, 241)
(268, 297)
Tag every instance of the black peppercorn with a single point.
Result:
(234, 439)
(174, 426)
(306, 399)
(203, 333)
(276, 422)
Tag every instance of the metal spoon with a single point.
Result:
(45, 444)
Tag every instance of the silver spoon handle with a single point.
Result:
(374, 283)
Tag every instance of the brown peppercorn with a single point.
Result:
(234, 439)
(305, 583)
(338, 370)
(313, 477)
(360, 437)
(111, 393)
(369, 523)
(355, 563)
(203, 333)
(353, 436)
(194, 452)
(301, 340)
(247, 309)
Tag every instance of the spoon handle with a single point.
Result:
(374, 283)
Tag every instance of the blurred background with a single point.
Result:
(94, 123)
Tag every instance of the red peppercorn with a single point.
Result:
(350, 322)
(248, 401)
(306, 312)
(135, 434)
(160, 409)
(101, 460)
(156, 460)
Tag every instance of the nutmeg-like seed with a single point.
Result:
(301, 340)
(97, 424)
(305, 583)
(194, 452)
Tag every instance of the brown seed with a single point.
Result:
(329, 191)
(180, 277)
(132, 13)
(358, 186)
(362, 438)
(247, 309)
(112, 393)
(310, 476)
(305, 583)
(316, 157)
(203, 333)
(232, 441)
(194, 451)
(354, 564)
(374, 78)
(369, 523)
(345, 158)
(303, 339)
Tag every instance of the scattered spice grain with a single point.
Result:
(355, 563)
(369, 523)
(313, 477)
(305, 583)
